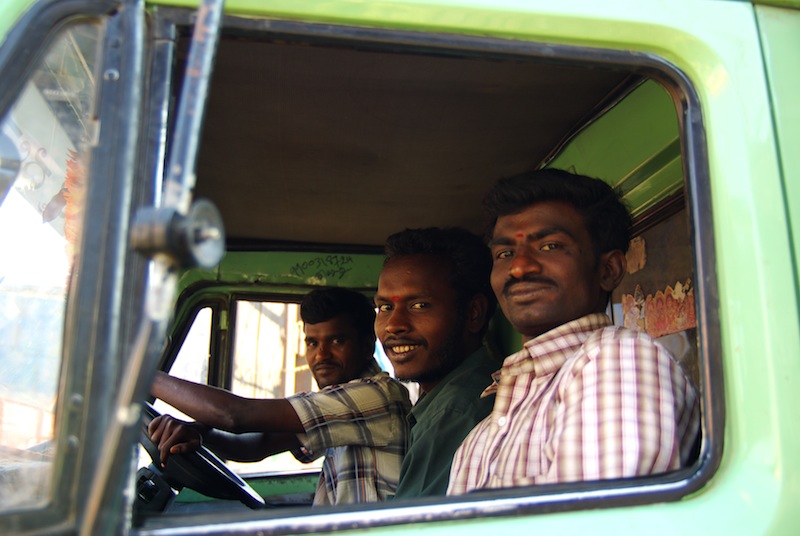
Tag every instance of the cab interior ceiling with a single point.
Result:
(342, 145)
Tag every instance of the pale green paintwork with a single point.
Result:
(716, 44)
(10, 11)
(781, 29)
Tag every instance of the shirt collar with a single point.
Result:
(550, 350)
(425, 399)
(546, 353)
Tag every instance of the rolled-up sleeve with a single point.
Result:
(362, 413)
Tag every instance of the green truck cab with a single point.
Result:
(175, 175)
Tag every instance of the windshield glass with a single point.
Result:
(43, 142)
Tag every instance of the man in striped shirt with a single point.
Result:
(583, 400)
(357, 420)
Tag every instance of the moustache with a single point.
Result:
(527, 279)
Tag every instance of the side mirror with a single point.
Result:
(9, 164)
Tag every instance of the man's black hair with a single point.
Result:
(605, 215)
(467, 253)
(321, 305)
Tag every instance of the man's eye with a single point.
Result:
(311, 344)
(550, 246)
(384, 307)
(503, 254)
(339, 340)
(419, 305)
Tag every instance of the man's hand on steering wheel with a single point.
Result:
(192, 465)
(174, 436)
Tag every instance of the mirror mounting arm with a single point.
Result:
(197, 239)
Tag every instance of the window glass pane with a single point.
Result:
(269, 362)
(269, 354)
(191, 363)
(42, 191)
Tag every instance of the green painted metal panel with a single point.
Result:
(293, 272)
(779, 3)
(716, 45)
(755, 490)
(634, 146)
(780, 36)
(274, 488)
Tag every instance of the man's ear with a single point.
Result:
(476, 313)
(611, 269)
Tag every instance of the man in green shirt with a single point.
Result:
(434, 304)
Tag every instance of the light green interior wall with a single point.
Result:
(291, 272)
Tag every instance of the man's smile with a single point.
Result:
(406, 348)
(401, 350)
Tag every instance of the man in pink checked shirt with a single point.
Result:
(583, 400)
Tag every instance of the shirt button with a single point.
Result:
(502, 421)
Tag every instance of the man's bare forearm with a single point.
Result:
(248, 447)
(222, 409)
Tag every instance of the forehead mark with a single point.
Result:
(395, 299)
(519, 235)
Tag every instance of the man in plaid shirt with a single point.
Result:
(357, 420)
(583, 400)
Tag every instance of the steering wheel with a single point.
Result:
(200, 470)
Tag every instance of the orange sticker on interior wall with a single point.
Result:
(636, 255)
(662, 313)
